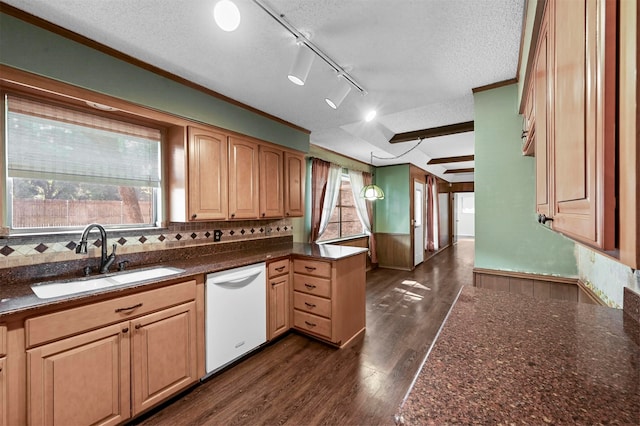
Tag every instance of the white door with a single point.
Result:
(418, 223)
(464, 215)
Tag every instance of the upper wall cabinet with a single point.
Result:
(243, 178)
(294, 172)
(214, 175)
(197, 161)
(271, 182)
(574, 94)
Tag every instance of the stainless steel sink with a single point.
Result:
(47, 290)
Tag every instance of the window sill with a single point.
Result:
(343, 239)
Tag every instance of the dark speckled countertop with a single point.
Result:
(18, 297)
(502, 358)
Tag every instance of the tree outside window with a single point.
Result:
(344, 220)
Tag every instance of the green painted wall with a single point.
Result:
(507, 234)
(30, 48)
(392, 213)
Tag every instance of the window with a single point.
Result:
(67, 168)
(344, 221)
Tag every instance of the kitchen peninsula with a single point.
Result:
(502, 358)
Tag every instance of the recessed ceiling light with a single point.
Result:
(370, 115)
(226, 15)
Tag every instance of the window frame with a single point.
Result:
(343, 177)
(158, 198)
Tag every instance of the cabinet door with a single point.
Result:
(271, 188)
(207, 175)
(81, 380)
(294, 170)
(243, 179)
(584, 139)
(278, 305)
(542, 90)
(3, 391)
(163, 354)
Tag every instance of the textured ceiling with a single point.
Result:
(417, 59)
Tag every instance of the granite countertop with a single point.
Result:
(502, 358)
(18, 297)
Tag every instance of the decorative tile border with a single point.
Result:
(31, 250)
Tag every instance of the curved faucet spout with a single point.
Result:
(105, 261)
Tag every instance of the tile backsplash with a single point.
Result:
(31, 250)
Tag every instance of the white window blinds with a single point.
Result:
(51, 142)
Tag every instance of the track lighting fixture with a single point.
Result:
(338, 93)
(302, 65)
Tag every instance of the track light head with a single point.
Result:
(338, 93)
(301, 65)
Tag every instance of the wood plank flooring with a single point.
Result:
(300, 381)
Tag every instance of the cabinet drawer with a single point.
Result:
(312, 304)
(278, 267)
(76, 320)
(312, 267)
(312, 323)
(312, 285)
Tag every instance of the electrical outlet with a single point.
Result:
(217, 234)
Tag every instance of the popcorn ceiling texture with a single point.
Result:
(32, 250)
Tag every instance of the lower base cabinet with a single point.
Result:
(107, 375)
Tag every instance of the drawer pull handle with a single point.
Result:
(310, 268)
(310, 324)
(129, 308)
(280, 269)
(310, 305)
(307, 285)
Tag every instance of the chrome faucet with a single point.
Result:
(105, 261)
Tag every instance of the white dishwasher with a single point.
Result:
(236, 314)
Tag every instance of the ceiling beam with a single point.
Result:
(433, 132)
(469, 170)
(445, 160)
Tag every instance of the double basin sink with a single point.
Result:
(47, 290)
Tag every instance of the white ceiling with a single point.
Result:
(417, 59)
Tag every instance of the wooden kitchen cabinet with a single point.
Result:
(294, 173)
(243, 178)
(107, 361)
(541, 90)
(271, 182)
(574, 89)
(278, 295)
(584, 121)
(3, 375)
(81, 380)
(163, 355)
(197, 174)
(329, 298)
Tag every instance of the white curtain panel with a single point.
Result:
(331, 196)
(357, 183)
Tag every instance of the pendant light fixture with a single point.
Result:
(372, 192)
(338, 93)
(302, 64)
(226, 15)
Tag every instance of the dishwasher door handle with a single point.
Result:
(235, 277)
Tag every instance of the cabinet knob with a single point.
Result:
(233, 215)
(288, 214)
(542, 218)
(137, 326)
(193, 216)
(264, 214)
(126, 329)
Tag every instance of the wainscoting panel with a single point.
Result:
(538, 286)
(394, 251)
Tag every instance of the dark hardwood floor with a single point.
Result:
(300, 381)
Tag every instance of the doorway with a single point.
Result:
(465, 213)
(418, 222)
